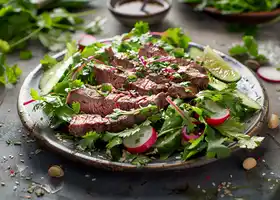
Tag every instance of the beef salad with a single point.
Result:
(146, 95)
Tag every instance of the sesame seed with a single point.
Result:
(272, 173)
(198, 186)
(204, 191)
(15, 188)
(269, 180)
(222, 195)
(230, 176)
(276, 180)
(230, 194)
(263, 161)
(22, 161)
(219, 189)
(213, 184)
(271, 188)
(3, 184)
(94, 179)
(263, 174)
(87, 175)
(17, 183)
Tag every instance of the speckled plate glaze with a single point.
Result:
(37, 123)
(242, 18)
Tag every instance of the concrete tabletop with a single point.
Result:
(23, 162)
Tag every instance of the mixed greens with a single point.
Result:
(45, 21)
(204, 125)
(237, 6)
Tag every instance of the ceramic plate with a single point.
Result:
(37, 123)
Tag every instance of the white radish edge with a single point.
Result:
(270, 74)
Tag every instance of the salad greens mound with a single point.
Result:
(237, 6)
(207, 124)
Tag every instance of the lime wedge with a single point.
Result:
(218, 67)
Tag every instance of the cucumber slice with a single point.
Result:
(247, 101)
(217, 84)
(196, 53)
(52, 76)
(218, 67)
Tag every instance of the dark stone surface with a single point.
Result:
(259, 183)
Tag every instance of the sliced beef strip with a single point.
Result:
(91, 102)
(120, 59)
(193, 75)
(107, 74)
(147, 87)
(151, 50)
(83, 123)
(178, 91)
(158, 78)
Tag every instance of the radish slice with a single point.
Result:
(188, 137)
(141, 141)
(86, 40)
(270, 74)
(218, 118)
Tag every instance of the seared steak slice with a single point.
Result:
(158, 78)
(81, 124)
(147, 87)
(107, 74)
(151, 50)
(120, 59)
(178, 91)
(91, 102)
(193, 74)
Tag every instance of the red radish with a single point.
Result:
(270, 74)
(218, 118)
(187, 136)
(86, 40)
(141, 141)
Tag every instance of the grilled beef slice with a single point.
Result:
(178, 91)
(107, 74)
(151, 50)
(83, 123)
(120, 59)
(91, 102)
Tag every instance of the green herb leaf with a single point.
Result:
(25, 55)
(4, 46)
(89, 140)
(141, 160)
(251, 44)
(176, 38)
(140, 28)
(48, 61)
(13, 73)
(114, 142)
(35, 95)
(237, 50)
(76, 107)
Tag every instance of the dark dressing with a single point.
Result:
(133, 7)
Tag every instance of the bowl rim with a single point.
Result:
(165, 10)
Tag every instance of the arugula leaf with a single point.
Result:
(114, 142)
(35, 95)
(189, 153)
(176, 38)
(76, 107)
(237, 50)
(25, 55)
(89, 140)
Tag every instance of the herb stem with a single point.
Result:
(26, 37)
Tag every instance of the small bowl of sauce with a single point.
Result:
(128, 12)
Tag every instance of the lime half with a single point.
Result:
(218, 67)
(196, 53)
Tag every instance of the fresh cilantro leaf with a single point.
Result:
(140, 28)
(92, 49)
(45, 20)
(89, 140)
(4, 46)
(251, 44)
(48, 61)
(237, 50)
(114, 142)
(233, 129)
(132, 78)
(13, 73)
(71, 50)
(35, 95)
(106, 87)
(178, 52)
(176, 38)
(189, 153)
(215, 148)
(25, 55)
(76, 107)
(141, 160)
